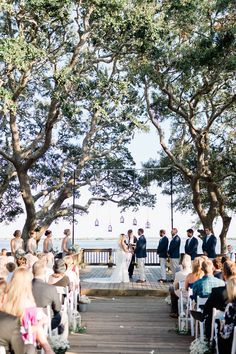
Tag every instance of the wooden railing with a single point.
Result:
(103, 256)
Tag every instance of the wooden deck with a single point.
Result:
(151, 287)
(129, 325)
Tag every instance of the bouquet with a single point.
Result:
(84, 299)
(75, 249)
(199, 346)
(59, 345)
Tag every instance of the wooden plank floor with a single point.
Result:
(129, 325)
(150, 287)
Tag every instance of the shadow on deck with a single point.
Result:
(151, 287)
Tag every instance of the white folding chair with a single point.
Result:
(200, 302)
(233, 350)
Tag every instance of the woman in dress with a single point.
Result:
(47, 243)
(66, 243)
(225, 337)
(31, 246)
(120, 273)
(17, 242)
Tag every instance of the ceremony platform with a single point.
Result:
(150, 287)
(128, 325)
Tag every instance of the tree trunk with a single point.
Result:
(226, 220)
(30, 222)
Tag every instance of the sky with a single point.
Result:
(143, 147)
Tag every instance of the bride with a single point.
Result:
(120, 272)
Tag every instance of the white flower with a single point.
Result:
(199, 346)
(57, 343)
(84, 299)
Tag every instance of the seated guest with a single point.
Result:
(45, 294)
(196, 273)
(217, 263)
(3, 286)
(218, 297)
(10, 335)
(19, 301)
(203, 286)
(179, 277)
(3, 252)
(48, 266)
(226, 331)
(10, 268)
(58, 278)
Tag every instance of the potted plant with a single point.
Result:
(59, 345)
(83, 303)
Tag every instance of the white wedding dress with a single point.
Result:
(120, 272)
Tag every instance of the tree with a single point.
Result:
(187, 76)
(65, 107)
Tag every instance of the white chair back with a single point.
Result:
(200, 302)
(2, 350)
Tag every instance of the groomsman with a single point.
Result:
(162, 252)
(173, 251)
(141, 254)
(191, 244)
(209, 244)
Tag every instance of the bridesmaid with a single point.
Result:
(17, 242)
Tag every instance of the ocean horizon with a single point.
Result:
(110, 242)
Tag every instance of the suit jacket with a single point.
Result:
(210, 246)
(191, 247)
(46, 294)
(141, 247)
(174, 247)
(10, 336)
(218, 299)
(163, 247)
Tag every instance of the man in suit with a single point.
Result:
(10, 335)
(173, 251)
(132, 240)
(46, 294)
(209, 244)
(162, 252)
(218, 297)
(141, 254)
(191, 244)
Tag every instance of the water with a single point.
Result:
(111, 243)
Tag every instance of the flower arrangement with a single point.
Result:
(20, 253)
(84, 299)
(75, 249)
(59, 345)
(199, 346)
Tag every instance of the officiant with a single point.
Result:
(132, 240)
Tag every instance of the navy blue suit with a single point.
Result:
(163, 247)
(174, 247)
(141, 247)
(191, 247)
(210, 246)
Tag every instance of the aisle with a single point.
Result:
(123, 325)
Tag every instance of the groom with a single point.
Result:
(141, 254)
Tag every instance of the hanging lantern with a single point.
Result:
(96, 222)
(148, 225)
(134, 222)
(110, 228)
(122, 219)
